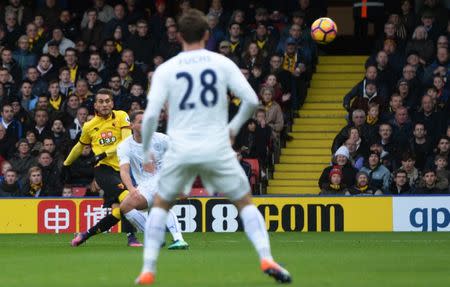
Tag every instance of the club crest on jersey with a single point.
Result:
(107, 138)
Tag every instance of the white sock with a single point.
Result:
(255, 228)
(174, 226)
(155, 229)
(136, 218)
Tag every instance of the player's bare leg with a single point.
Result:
(130, 207)
(255, 228)
(135, 202)
(155, 229)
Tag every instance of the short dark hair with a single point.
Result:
(43, 152)
(408, 156)
(193, 26)
(134, 115)
(104, 91)
(400, 171)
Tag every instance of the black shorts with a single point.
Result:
(109, 181)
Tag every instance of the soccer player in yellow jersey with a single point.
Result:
(104, 133)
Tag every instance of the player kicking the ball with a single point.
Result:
(195, 84)
(131, 156)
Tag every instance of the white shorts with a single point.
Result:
(225, 176)
(148, 189)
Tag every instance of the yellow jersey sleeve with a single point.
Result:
(123, 119)
(85, 137)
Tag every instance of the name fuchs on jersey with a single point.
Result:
(194, 60)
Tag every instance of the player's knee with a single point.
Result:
(126, 205)
(116, 212)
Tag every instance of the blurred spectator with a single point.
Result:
(9, 187)
(340, 160)
(362, 186)
(421, 44)
(6, 144)
(58, 39)
(22, 56)
(117, 20)
(443, 149)
(51, 174)
(335, 187)
(34, 185)
(92, 33)
(400, 184)
(105, 13)
(169, 45)
(441, 164)
(13, 127)
(22, 160)
(379, 175)
(420, 145)
(67, 191)
(82, 171)
(408, 165)
(35, 145)
(274, 115)
(430, 184)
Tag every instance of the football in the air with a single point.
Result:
(323, 30)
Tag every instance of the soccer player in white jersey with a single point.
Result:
(130, 156)
(194, 84)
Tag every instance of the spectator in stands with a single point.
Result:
(430, 184)
(22, 55)
(379, 175)
(77, 124)
(105, 13)
(117, 20)
(22, 160)
(420, 145)
(41, 124)
(235, 38)
(339, 160)
(6, 144)
(408, 165)
(395, 102)
(13, 127)
(443, 149)
(358, 121)
(51, 175)
(401, 127)
(335, 186)
(60, 40)
(400, 184)
(142, 45)
(94, 80)
(362, 186)
(433, 120)
(439, 66)
(39, 86)
(427, 20)
(370, 95)
(441, 164)
(274, 115)
(34, 185)
(134, 71)
(421, 44)
(92, 33)
(9, 187)
(169, 45)
(35, 145)
(385, 72)
(7, 61)
(356, 158)
(67, 191)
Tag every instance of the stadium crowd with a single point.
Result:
(397, 138)
(55, 55)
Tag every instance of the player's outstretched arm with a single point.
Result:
(74, 154)
(156, 99)
(239, 85)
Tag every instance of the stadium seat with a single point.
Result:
(255, 177)
(78, 191)
(198, 192)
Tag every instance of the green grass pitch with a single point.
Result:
(214, 259)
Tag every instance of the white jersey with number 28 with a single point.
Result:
(195, 84)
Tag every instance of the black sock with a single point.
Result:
(103, 225)
(127, 227)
